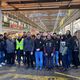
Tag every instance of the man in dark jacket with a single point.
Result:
(49, 52)
(69, 43)
(28, 49)
(57, 46)
(75, 53)
(2, 61)
(39, 52)
(10, 48)
(5, 38)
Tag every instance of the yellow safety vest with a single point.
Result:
(19, 45)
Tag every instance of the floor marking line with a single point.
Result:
(15, 76)
(6, 75)
(67, 75)
(34, 77)
(7, 71)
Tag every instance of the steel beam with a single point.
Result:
(45, 8)
(75, 15)
(36, 1)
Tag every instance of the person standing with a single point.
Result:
(49, 52)
(75, 53)
(44, 56)
(57, 46)
(5, 38)
(10, 48)
(69, 44)
(39, 52)
(63, 51)
(28, 50)
(19, 48)
(2, 55)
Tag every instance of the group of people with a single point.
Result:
(39, 51)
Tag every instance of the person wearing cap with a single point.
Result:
(19, 48)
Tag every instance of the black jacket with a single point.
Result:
(49, 47)
(76, 45)
(39, 44)
(2, 45)
(69, 42)
(56, 44)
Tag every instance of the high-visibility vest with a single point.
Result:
(19, 45)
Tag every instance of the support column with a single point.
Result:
(71, 28)
(0, 20)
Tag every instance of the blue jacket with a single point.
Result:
(28, 44)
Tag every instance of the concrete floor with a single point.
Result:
(21, 73)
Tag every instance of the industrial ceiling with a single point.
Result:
(45, 13)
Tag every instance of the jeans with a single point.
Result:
(2, 56)
(49, 62)
(65, 61)
(44, 60)
(10, 58)
(75, 58)
(39, 59)
(56, 54)
(19, 54)
(69, 55)
(29, 59)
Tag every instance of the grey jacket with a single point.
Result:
(10, 47)
(63, 47)
(28, 44)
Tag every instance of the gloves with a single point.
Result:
(31, 53)
(46, 54)
(51, 54)
(24, 53)
(15, 52)
(38, 49)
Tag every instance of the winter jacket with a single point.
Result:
(49, 47)
(2, 46)
(69, 42)
(10, 46)
(28, 44)
(39, 44)
(76, 45)
(56, 44)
